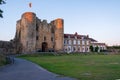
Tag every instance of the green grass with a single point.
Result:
(83, 67)
(2, 60)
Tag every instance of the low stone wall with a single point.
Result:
(6, 47)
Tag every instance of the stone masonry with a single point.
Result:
(33, 35)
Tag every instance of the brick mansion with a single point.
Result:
(36, 35)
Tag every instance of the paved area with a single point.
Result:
(25, 70)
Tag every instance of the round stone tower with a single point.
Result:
(59, 34)
(28, 32)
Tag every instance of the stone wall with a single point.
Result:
(6, 47)
(33, 35)
(59, 36)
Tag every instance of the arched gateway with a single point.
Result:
(44, 47)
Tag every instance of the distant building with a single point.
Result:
(76, 43)
(80, 43)
(101, 46)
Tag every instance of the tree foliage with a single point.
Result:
(1, 12)
(91, 48)
(113, 47)
(96, 49)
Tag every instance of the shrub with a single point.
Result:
(91, 48)
(2, 60)
(96, 49)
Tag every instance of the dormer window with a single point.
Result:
(75, 37)
(82, 37)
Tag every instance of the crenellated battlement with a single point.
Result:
(29, 16)
(34, 34)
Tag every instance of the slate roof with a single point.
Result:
(99, 43)
(93, 40)
(73, 36)
(79, 36)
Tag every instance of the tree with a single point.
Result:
(1, 2)
(91, 48)
(96, 49)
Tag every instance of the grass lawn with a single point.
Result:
(83, 67)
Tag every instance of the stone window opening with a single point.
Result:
(19, 34)
(44, 38)
(37, 37)
(52, 30)
(37, 27)
(52, 39)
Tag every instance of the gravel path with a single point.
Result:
(25, 70)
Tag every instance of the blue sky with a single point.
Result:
(100, 19)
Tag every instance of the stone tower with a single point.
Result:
(26, 31)
(33, 35)
(59, 36)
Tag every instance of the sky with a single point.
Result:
(100, 19)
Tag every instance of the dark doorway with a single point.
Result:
(44, 47)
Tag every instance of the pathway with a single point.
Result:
(25, 70)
